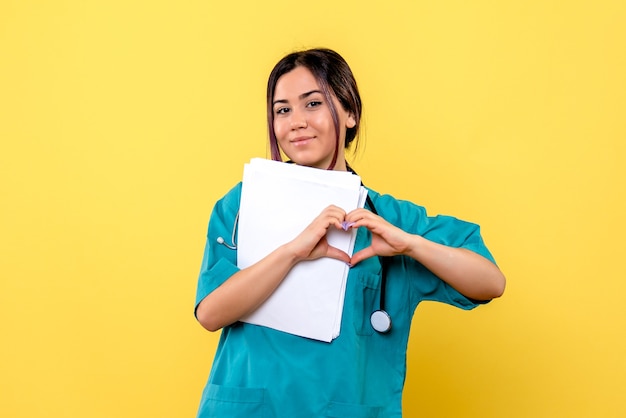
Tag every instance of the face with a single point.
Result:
(303, 123)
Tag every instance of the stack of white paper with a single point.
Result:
(278, 201)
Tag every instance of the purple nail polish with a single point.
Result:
(346, 225)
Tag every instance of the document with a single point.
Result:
(278, 201)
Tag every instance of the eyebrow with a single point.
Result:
(302, 96)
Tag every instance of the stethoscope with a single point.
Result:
(380, 319)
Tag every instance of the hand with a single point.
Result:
(387, 239)
(468, 272)
(311, 244)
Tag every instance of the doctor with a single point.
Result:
(314, 111)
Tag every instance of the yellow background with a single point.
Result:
(121, 123)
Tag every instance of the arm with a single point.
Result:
(245, 290)
(248, 288)
(468, 272)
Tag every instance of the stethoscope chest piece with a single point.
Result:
(381, 321)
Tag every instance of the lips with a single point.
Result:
(301, 140)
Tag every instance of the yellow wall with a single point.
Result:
(122, 122)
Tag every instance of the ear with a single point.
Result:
(351, 121)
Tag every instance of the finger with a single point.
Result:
(357, 211)
(335, 211)
(346, 225)
(360, 217)
(374, 223)
(364, 254)
(337, 254)
(337, 222)
(325, 221)
(354, 216)
(334, 216)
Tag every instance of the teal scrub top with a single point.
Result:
(261, 372)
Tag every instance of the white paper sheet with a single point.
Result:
(278, 201)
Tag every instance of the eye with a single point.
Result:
(314, 103)
(281, 110)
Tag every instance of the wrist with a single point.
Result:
(288, 253)
(414, 246)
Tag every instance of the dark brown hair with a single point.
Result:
(334, 76)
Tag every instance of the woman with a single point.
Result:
(314, 111)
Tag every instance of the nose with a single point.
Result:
(298, 120)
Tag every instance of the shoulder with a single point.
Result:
(226, 208)
(231, 198)
(396, 210)
(414, 218)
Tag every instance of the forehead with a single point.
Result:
(296, 82)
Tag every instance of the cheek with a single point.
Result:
(325, 122)
(279, 129)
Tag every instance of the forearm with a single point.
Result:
(468, 272)
(245, 291)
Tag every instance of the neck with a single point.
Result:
(340, 165)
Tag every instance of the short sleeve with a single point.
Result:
(445, 230)
(219, 262)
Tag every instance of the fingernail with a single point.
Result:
(349, 265)
(346, 225)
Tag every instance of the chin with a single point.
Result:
(308, 162)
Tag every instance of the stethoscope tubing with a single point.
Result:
(380, 319)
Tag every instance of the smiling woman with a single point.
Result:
(314, 109)
(326, 73)
(303, 122)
